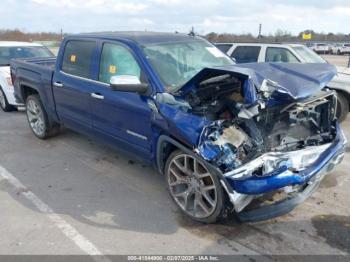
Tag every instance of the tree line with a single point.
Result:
(278, 36)
(17, 35)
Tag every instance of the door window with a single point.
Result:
(246, 54)
(223, 47)
(276, 54)
(117, 60)
(77, 58)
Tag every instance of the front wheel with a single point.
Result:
(196, 191)
(342, 107)
(38, 120)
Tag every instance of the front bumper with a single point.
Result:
(246, 189)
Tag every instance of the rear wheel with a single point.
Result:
(5, 106)
(38, 120)
(196, 191)
(342, 107)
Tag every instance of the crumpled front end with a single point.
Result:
(269, 157)
(284, 181)
(271, 139)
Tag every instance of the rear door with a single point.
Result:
(121, 117)
(72, 84)
(246, 54)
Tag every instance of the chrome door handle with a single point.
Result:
(58, 84)
(97, 96)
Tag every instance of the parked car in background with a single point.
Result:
(8, 51)
(227, 137)
(341, 49)
(291, 53)
(321, 48)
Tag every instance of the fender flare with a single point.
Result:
(164, 139)
(23, 85)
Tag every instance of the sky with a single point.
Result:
(221, 16)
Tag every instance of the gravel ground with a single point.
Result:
(340, 60)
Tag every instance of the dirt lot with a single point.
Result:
(340, 60)
(70, 195)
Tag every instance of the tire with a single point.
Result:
(197, 193)
(38, 120)
(342, 107)
(338, 52)
(5, 106)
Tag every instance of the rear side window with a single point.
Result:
(77, 58)
(280, 55)
(117, 60)
(224, 47)
(246, 54)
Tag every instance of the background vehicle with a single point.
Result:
(321, 48)
(8, 51)
(179, 103)
(341, 49)
(291, 53)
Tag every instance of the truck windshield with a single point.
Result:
(176, 63)
(8, 53)
(308, 55)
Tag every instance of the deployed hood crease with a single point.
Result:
(291, 81)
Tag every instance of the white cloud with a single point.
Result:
(235, 16)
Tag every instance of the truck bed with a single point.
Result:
(36, 73)
(48, 63)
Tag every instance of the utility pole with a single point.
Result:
(192, 33)
(61, 34)
(259, 35)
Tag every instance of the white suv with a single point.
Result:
(321, 48)
(291, 53)
(8, 51)
(341, 49)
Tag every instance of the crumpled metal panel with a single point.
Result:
(293, 81)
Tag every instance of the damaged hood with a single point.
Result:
(291, 81)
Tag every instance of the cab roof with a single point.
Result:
(140, 37)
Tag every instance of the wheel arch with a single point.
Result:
(27, 90)
(166, 145)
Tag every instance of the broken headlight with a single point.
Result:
(268, 163)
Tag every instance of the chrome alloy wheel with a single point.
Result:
(192, 186)
(2, 99)
(36, 118)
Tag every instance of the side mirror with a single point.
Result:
(128, 83)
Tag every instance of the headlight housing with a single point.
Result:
(266, 164)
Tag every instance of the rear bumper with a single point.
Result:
(244, 190)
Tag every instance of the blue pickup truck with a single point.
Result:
(253, 140)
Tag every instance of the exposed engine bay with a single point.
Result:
(240, 133)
